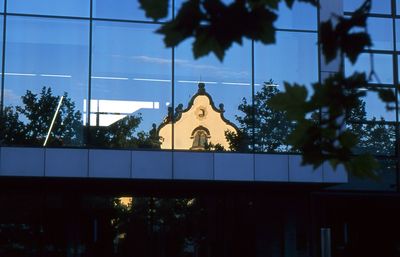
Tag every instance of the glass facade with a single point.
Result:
(376, 125)
(118, 86)
(94, 74)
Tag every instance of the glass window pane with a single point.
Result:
(121, 9)
(381, 32)
(294, 59)
(80, 8)
(383, 67)
(131, 85)
(46, 59)
(376, 109)
(378, 6)
(375, 137)
(220, 106)
(301, 16)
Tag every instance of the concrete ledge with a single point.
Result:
(271, 167)
(193, 166)
(168, 165)
(61, 163)
(109, 163)
(151, 165)
(22, 161)
(234, 166)
(299, 173)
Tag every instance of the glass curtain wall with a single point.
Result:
(93, 73)
(376, 125)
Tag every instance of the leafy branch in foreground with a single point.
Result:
(215, 26)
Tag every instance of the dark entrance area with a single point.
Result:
(233, 222)
(362, 225)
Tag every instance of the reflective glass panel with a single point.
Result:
(121, 9)
(131, 85)
(375, 137)
(381, 32)
(378, 6)
(376, 109)
(300, 16)
(80, 8)
(293, 59)
(46, 78)
(383, 67)
(218, 105)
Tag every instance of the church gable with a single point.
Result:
(199, 125)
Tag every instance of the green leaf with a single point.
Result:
(362, 166)
(348, 139)
(293, 100)
(155, 9)
(353, 44)
(387, 95)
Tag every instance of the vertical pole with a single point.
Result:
(326, 242)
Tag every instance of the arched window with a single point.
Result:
(200, 137)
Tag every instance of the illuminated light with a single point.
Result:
(236, 83)
(107, 112)
(110, 78)
(152, 80)
(257, 84)
(20, 74)
(196, 82)
(363, 89)
(105, 120)
(54, 118)
(55, 75)
(272, 85)
(167, 103)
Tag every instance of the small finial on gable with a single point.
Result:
(202, 88)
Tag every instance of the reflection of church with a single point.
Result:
(199, 125)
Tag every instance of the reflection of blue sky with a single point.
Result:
(130, 62)
(46, 52)
(376, 108)
(294, 58)
(301, 16)
(226, 82)
(120, 9)
(383, 67)
(378, 6)
(381, 32)
(79, 8)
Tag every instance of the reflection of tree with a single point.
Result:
(28, 124)
(171, 227)
(123, 133)
(271, 127)
(375, 136)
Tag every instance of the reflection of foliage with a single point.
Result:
(29, 124)
(208, 23)
(170, 226)
(271, 127)
(123, 134)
